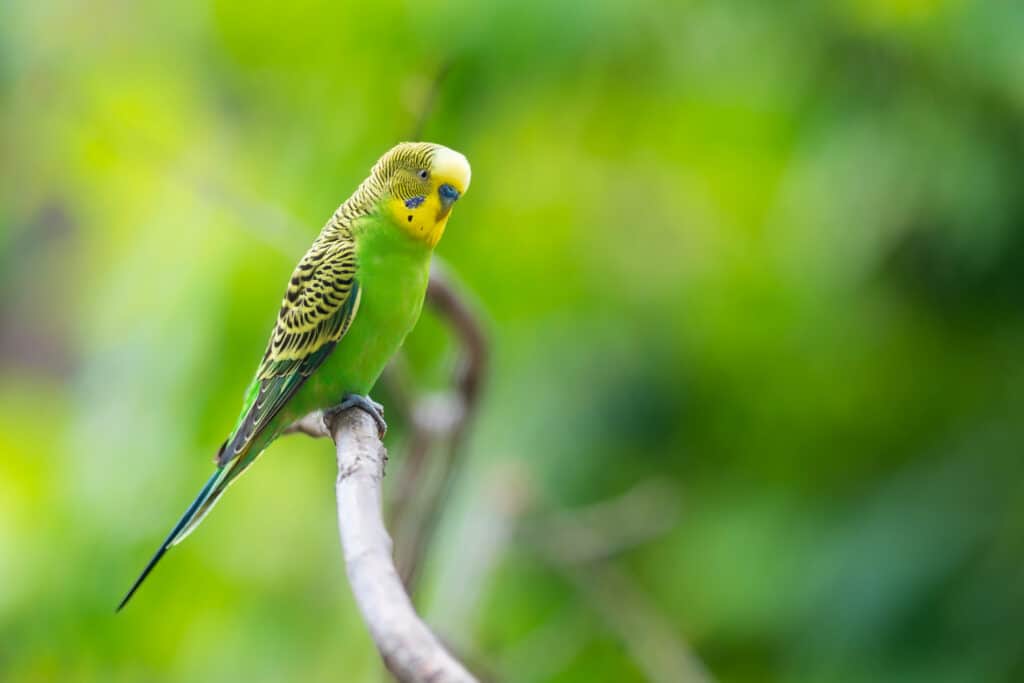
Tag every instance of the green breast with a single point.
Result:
(392, 271)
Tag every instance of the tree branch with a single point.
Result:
(438, 419)
(409, 649)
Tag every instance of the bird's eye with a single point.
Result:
(423, 174)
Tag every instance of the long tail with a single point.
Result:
(187, 522)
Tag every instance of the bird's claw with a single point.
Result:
(367, 404)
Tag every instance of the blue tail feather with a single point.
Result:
(182, 524)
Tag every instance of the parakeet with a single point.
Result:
(348, 306)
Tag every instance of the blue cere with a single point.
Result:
(448, 192)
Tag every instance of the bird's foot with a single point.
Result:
(366, 403)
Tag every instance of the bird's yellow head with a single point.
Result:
(422, 181)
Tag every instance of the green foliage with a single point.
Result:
(766, 252)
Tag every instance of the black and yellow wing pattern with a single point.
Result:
(319, 305)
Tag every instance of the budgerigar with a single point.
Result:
(349, 305)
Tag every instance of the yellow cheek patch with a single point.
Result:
(423, 221)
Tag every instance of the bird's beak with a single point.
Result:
(452, 169)
(449, 195)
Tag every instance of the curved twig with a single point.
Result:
(439, 420)
(409, 649)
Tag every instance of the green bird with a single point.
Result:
(348, 307)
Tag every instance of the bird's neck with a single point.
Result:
(363, 202)
(370, 214)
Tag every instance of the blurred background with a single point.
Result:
(752, 279)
